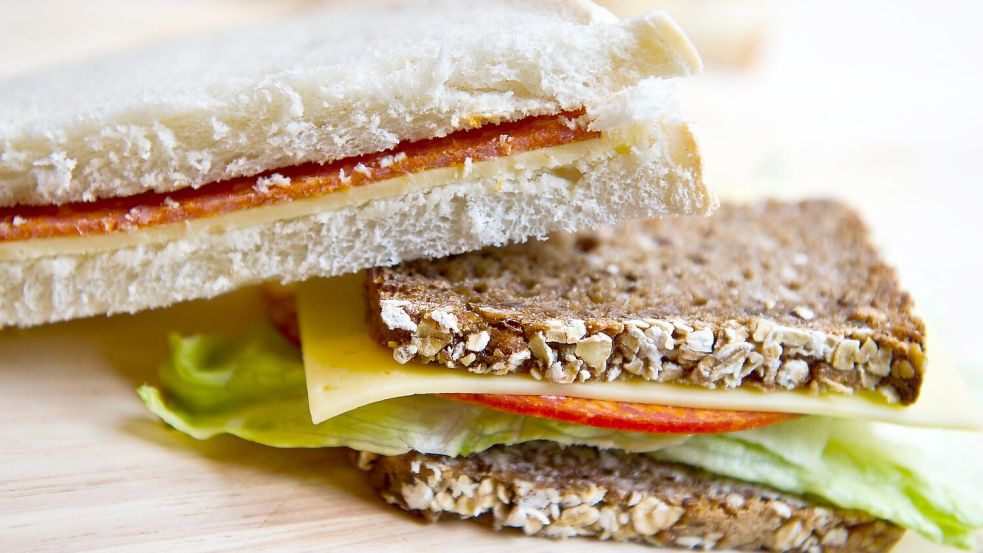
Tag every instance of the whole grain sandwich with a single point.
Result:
(756, 380)
(358, 136)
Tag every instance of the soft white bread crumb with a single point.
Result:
(334, 84)
(661, 174)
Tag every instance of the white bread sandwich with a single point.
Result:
(362, 135)
(755, 380)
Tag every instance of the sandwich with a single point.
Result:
(753, 380)
(357, 136)
(756, 380)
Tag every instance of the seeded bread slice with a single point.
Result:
(773, 295)
(549, 490)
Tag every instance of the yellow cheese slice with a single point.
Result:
(543, 158)
(346, 369)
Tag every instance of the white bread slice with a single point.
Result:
(334, 84)
(659, 173)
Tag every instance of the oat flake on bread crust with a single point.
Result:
(773, 295)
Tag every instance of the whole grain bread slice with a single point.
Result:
(554, 491)
(774, 295)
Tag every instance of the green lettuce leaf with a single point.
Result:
(854, 465)
(254, 388)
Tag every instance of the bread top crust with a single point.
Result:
(333, 84)
(782, 281)
(770, 259)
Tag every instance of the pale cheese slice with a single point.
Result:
(346, 369)
(551, 158)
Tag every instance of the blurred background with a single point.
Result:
(876, 102)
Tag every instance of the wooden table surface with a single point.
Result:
(875, 104)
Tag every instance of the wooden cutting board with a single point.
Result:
(84, 467)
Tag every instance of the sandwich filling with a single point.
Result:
(549, 141)
(622, 415)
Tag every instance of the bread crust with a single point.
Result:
(558, 492)
(773, 295)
